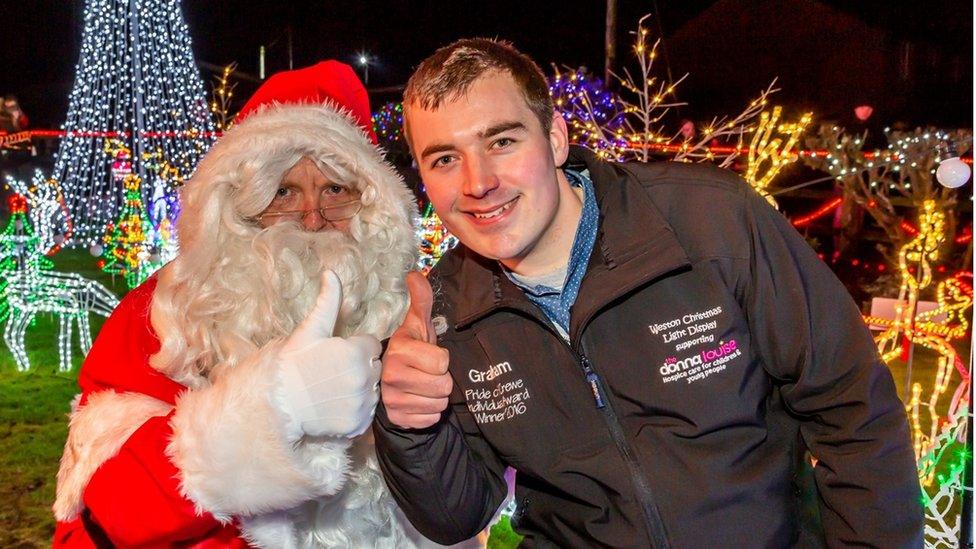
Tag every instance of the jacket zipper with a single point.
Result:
(652, 519)
(594, 381)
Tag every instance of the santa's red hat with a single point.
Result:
(325, 82)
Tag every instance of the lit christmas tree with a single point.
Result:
(136, 83)
(131, 248)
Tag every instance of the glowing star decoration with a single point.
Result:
(435, 240)
(130, 245)
(136, 81)
(28, 286)
(768, 155)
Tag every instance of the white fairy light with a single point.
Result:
(28, 286)
(136, 81)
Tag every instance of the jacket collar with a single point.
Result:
(634, 245)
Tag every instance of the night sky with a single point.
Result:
(755, 40)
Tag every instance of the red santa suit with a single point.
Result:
(127, 406)
(171, 455)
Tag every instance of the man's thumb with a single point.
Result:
(421, 303)
(321, 320)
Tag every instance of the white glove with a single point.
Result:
(328, 385)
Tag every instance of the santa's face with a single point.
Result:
(308, 197)
(299, 240)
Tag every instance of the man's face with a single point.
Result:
(491, 171)
(305, 194)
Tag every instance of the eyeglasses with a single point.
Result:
(333, 212)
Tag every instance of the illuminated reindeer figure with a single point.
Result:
(954, 297)
(919, 252)
(29, 286)
(68, 295)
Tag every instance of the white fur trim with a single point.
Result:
(233, 458)
(271, 530)
(96, 432)
(362, 515)
(277, 132)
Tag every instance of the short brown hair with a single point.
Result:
(447, 74)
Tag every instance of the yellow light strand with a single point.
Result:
(769, 154)
(922, 329)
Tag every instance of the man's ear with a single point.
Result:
(559, 139)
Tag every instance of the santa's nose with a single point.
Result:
(313, 220)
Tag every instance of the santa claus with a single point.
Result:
(227, 400)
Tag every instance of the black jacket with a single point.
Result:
(706, 340)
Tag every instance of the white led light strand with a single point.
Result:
(137, 82)
(28, 286)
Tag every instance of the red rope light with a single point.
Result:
(823, 210)
(909, 228)
(111, 134)
(662, 147)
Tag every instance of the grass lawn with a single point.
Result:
(34, 407)
(33, 419)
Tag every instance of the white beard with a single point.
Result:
(294, 261)
(260, 287)
(363, 513)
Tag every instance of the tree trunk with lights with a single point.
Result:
(891, 184)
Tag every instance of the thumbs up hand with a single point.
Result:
(415, 381)
(328, 385)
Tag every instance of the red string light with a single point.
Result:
(660, 147)
(909, 228)
(108, 134)
(823, 210)
(726, 149)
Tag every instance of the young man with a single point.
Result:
(223, 403)
(646, 344)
